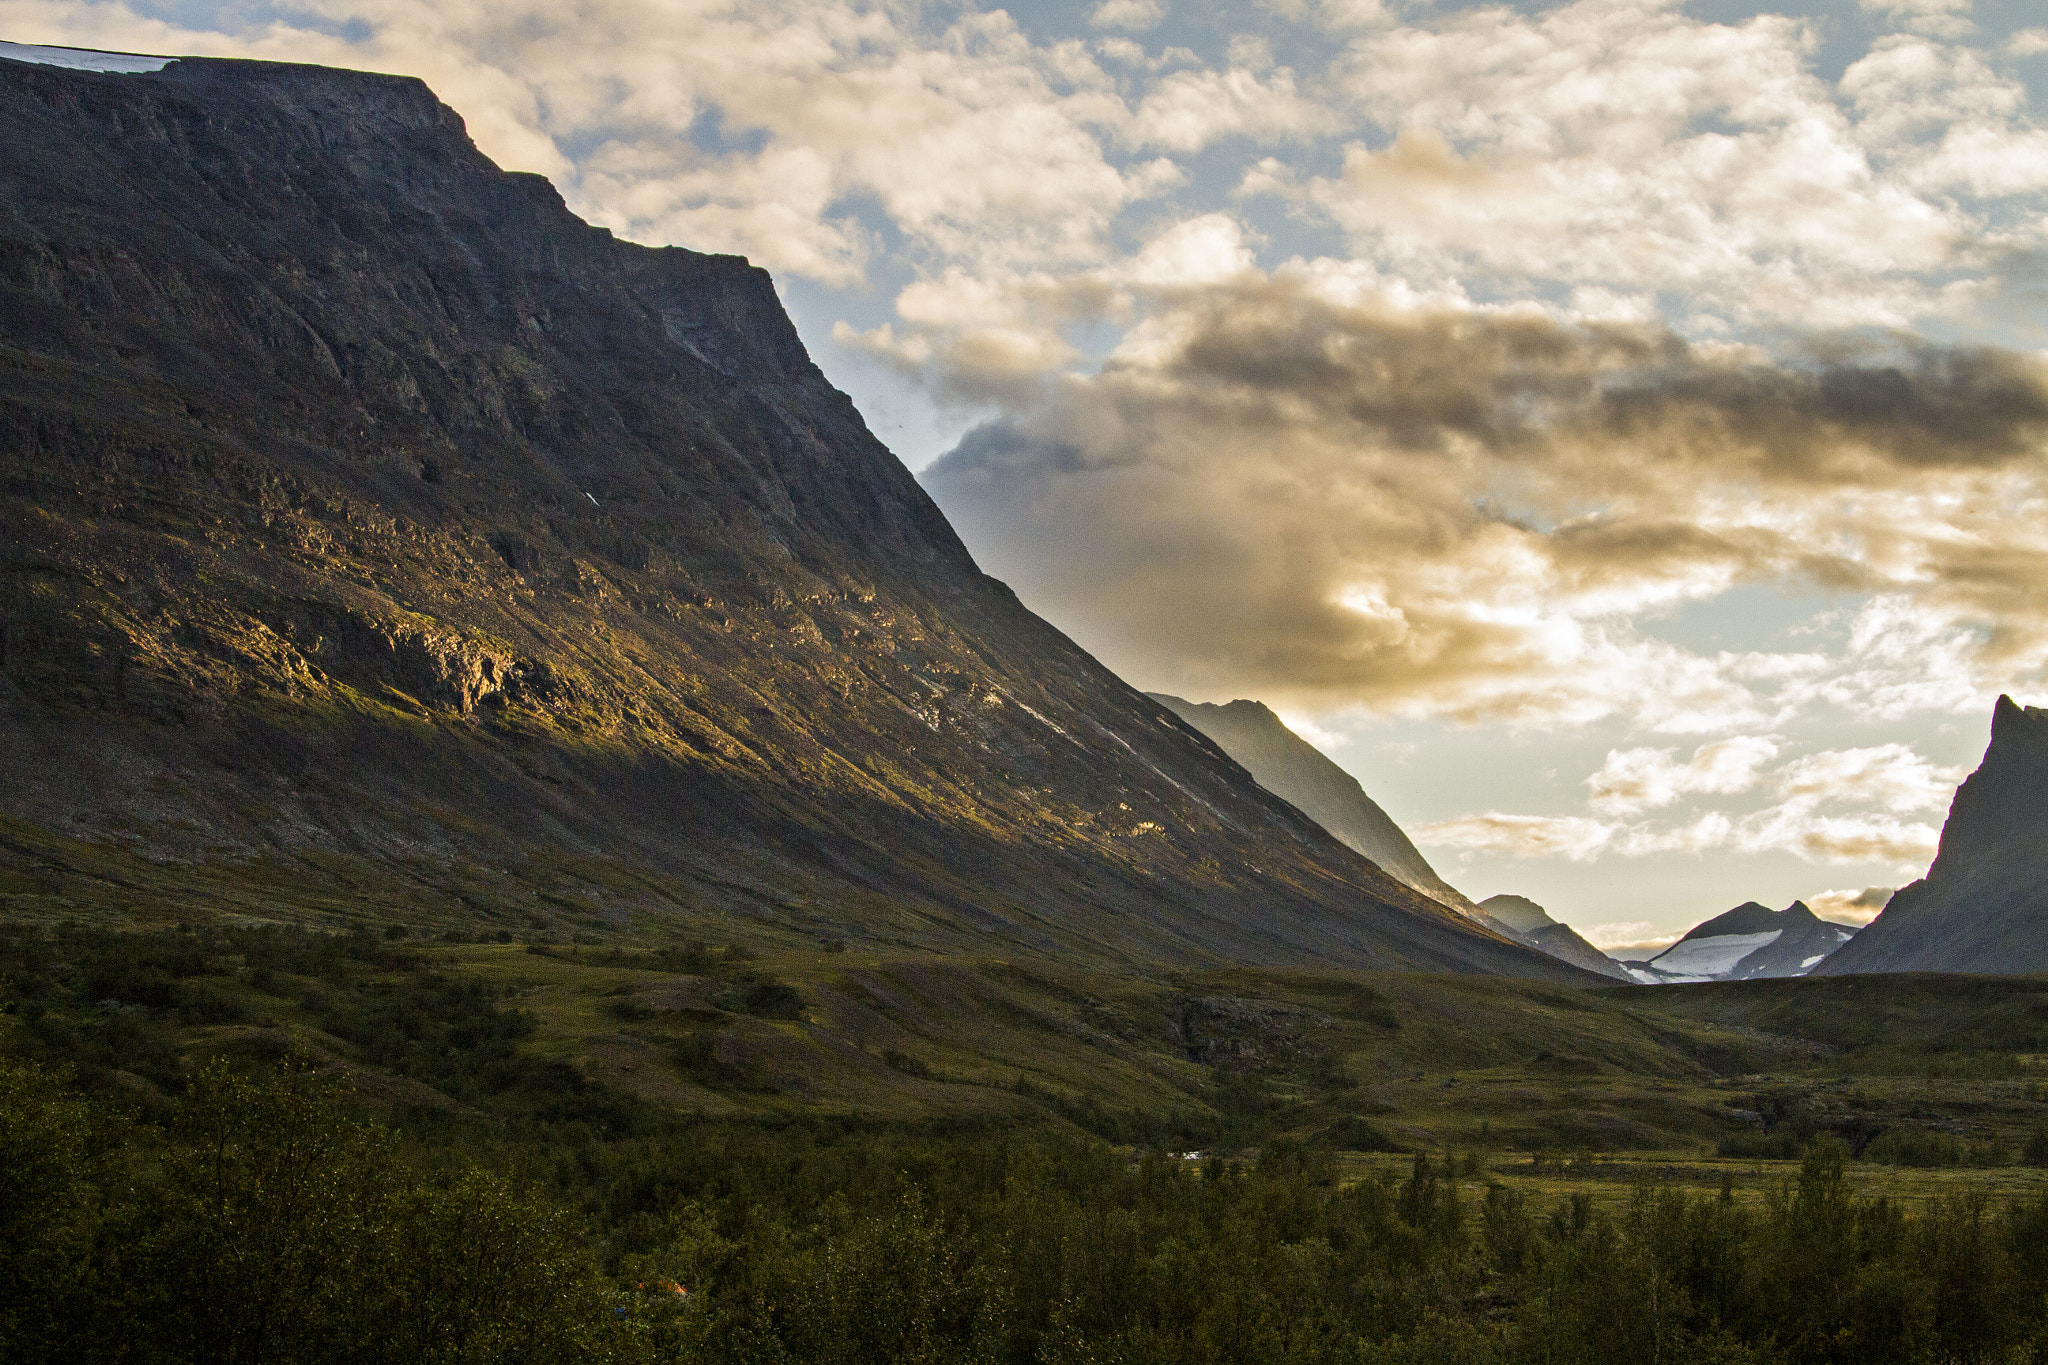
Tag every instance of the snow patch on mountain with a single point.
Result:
(1707, 958)
(83, 58)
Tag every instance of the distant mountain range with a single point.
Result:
(1291, 768)
(378, 540)
(1983, 906)
(1746, 943)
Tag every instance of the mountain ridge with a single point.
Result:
(1290, 767)
(1746, 943)
(1260, 741)
(1983, 905)
(1530, 920)
(367, 515)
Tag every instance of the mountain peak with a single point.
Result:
(1517, 912)
(1983, 904)
(2015, 725)
(390, 516)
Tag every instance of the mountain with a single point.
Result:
(1746, 943)
(1983, 906)
(379, 540)
(1533, 925)
(1291, 768)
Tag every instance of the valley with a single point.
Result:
(525, 835)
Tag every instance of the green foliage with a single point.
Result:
(158, 1207)
(261, 1224)
(1915, 1147)
(46, 1199)
(104, 1003)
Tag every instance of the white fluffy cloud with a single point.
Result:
(1808, 819)
(1890, 776)
(1633, 780)
(1633, 148)
(1524, 836)
(1128, 14)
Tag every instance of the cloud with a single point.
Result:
(1633, 939)
(1136, 15)
(1949, 18)
(1891, 776)
(733, 126)
(1632, 148)
(1306, 727)
(1188, 110)
(1633, 780)
(1792, 827)
(1797, 829)
(1850, 907)
(1309, 486)
(1521, 836)
(1887, 781)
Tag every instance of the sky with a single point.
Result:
(1612, 430)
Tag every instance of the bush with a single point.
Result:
(1914, 1147)
(264, 1225)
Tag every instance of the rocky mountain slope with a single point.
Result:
(1983, 906)
(1747, 943)
(1291, 768)
(1533, 924)
(379, 539)
(1301, 774)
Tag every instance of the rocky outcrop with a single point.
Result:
(377, 531)
(1983, 906)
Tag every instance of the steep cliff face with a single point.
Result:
(375, 529)
(1983, 906)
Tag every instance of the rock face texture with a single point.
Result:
(1747, 943)
(1983, 906)
(377, 531)
(1533, 924)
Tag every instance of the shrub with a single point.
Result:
(1914, 1147)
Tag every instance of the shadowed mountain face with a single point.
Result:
(1291, 768)
(376, 530)
(1983, 906)
(1751, 941)
(1296, 771)
(1535, 926)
